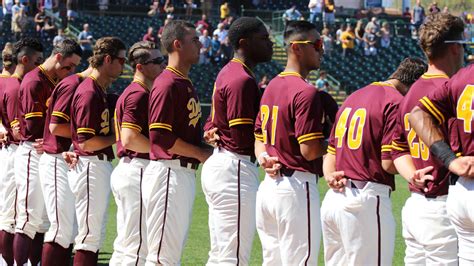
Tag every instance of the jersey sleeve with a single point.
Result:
(439, 103)
(389, 127)
(135, 111)
(243, 110)
(308, 116)
(161, 117)
(258, 128)
(332, 139)
(11, 107)
(87, 115)
(32, 104)
(399, 141)
(62, 106)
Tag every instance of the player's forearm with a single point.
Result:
(259, 148)
(425, 126)
(97, 143)
(134, 141)
(313, 149)
(405, 167)
(185, 149)
(389, 167)
(61, 130)
(329, 164)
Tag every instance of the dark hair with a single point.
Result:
(103, 47)
(26, 46)
(67, 48)
(409, 70)
(174, 30)
(7, 54)
(437, 29)
(139, 53)
(297, 30)
(243, 28)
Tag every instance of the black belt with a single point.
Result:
(286, 171)
(104, 157)
(453, 179)
(358, 184)
(186, 164)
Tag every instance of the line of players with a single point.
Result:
(156, 122)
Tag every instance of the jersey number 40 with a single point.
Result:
(356, 127)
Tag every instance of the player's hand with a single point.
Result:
(3, 137)
(70, 158)
(271, 165)
(337, 181)
(38, 145)
(420, 177)
(463, 166)
(211, 137)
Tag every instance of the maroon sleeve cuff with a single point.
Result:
(163, 138)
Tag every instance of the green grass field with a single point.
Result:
(197, 245)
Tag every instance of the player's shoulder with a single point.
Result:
(164, 82)
(134, 93)
(31, 80)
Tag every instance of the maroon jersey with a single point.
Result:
(131, 112)
(362, 135)
(10, 100)
(234, 107)
(35, 90)
(454, 99)
(90, 116)
(407, 142)
(174, 112)
(59, 113)
(290, 114)
(2, 89)
(330, 109)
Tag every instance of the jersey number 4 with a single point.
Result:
(464, 108)
(356, 127)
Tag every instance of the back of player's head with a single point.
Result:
(26, 46)
(174, 30)
(140, 52)
(409, 70)
(243, 28)
(437, 29)
(105, 46)
(298, 31)
(67, 48)
(7, 54)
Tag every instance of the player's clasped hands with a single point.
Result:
(38, 145)
(270, 165)
(337, 181)
(211, 137)
(70, 158)
(463, 166)
(421, 177)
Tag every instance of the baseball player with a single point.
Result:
(133, 148)
(230, 176)
(357, 220)
(289, 140)
(429, 236)
(59, 199)
(452, 100)
(92, 138)
(169, 178)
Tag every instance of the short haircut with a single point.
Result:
(140, 52)
(26, 46)
(410, 70)
(297, 30)
(243, 28)
(174, 30)
(7, 54)
(67, 48)
(437, 29)
(103, 47)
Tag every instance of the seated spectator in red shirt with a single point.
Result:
(149, 36)
(205, 24)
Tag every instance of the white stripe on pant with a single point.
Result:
(230, 183)
(130, 247)
(59, 199)
(288, 219)
(168, 197)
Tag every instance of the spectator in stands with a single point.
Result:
(154, 8)
(326, 87)
(150, 36)
(206, 6)
(292, 14)
(168, 7)
(262, 85)
(329, 13)
(418, 16)
(189, 5)
(385, 35)
(47, 5)
(7, 7)
(315, 10)
(205, 48)
(370, 39)
(322, 79)
(225, 11)
(48, 30)
(227, 22)
(327, 41)
(160, 31)
(226, 50)
(16, 8)
(339, 32)
(347, 40)
(60, 37)
(85, 40)
(359, 32)
(214, 53)
(434, 8)
(19, 24)
(205, 24)
(39, 20)
(221, 32)
(407, 13)
(373, 24)
(71, 6)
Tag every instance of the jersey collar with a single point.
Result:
(141, 83)
(434, 76)
(290, 73)
(236, 60)
(53, 81)
(178, 73)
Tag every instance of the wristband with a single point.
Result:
(262, 155)
(442, 151)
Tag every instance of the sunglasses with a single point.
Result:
(121, 60)
(318, 44)
(461, 42)
(156, 61)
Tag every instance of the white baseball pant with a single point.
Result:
(8, 192)
(230, 183)
(90, 184)
(126, 182)
(461, 213)
(31, 216)
(358, 226)
(3, 162)
(288, 219)
(429, 236)
(59, 199)
(168, 197)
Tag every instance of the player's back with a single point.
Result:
(362, 133)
